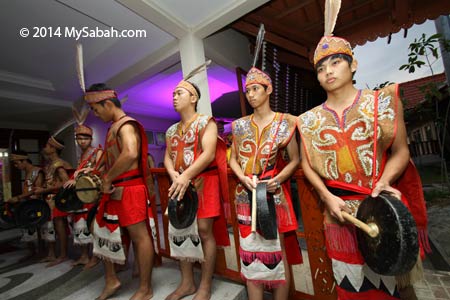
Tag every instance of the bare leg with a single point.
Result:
(112, 283)
(282, 292)
(60, 228)
(135, 272)
(255, 291)
(51, 252)
(145, 253)
(92, 262)
(84, 258)
(187, 285)
(205, 230)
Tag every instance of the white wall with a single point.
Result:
(229, 48)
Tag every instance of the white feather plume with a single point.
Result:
(197, 70)
(332, 8)
(259, 41)
(80, 66)
(64, 126)
(80, 115)
(124, 99)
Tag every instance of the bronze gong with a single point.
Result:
(32, 212)
(387, 235)
(266, 217)
(182, 213)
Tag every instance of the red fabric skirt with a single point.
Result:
(56, 213)
(209, 196)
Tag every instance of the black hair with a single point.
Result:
(97, 87)
(345, 57)
(62, 143)
(23, 153)
(197, 89)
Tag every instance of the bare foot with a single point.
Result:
(142, 295)
(47, 259)
(181, 292)
(92, 263)
(109, 291)
(56, 261)
(202, 294)
(81, 261)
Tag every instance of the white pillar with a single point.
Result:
(192, 55)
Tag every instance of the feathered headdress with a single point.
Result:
(80, 110)
(92, 97)
(256, 75)
(185, 84)
(330, 44)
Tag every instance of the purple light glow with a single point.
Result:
(153, 97)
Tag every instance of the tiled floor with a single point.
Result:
(436, 286)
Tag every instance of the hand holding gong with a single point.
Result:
(178, 187)
(388, 238)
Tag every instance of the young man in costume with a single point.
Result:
(125, 197)
(56, 174)
(345, 160)
(194, 156)
(34, 177)
(260, 142)
(88, 160)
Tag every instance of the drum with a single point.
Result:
(66, 200)
(395, 249)
(183, 213)
(32, 213)
(88, 187)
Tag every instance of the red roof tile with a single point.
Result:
(411, 92)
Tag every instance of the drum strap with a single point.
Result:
(375, 139)
(128, 178)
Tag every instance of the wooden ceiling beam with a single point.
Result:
(295, 60)
(293, 9)
(343, 12)
(374, 15)
(281, 42)
(278, 28)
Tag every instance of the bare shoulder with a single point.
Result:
(127, 128)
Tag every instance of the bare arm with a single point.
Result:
(100, 161)
(39, 180)
(397, 161)
(334, 204)
(128, 157)
(168, 163)
(208, 142)
(289, 169)
(61, 176)
(234, 165)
